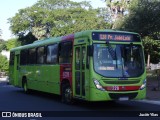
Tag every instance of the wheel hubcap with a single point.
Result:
(68, 95)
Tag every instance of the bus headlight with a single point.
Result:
(143, 85)
(98, 85)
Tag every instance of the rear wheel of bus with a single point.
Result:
(24, 85)
(67, 94)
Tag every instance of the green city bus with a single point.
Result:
(92, 65)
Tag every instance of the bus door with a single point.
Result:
(16, 68)
(80, 70)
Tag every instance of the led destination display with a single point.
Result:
(115, 36)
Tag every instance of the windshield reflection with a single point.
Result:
(113, 60)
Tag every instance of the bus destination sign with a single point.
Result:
(115, 36)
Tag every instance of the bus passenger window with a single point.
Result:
(52, 54)
(40, 55)
(23, 57)
(77, 57)
(32, 56)
(11, 62)
(65, 55)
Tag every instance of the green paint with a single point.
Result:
(46, 77)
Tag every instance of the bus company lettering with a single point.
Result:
(34, 115)
(19, 114)
(14, 114)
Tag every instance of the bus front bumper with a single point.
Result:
(98, 95)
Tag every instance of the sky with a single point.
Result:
(8, 9)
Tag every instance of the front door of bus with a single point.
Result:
(80, 70)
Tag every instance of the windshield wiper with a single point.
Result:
(111, 51)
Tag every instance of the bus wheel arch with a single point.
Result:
(66, 92)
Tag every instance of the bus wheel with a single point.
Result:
(25, 86)
(67, 94)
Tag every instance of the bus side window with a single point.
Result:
(40, 55)
(65, 52)
(11, 62)
(52, 54)
(23, 57)
(77, 58)
(32, 56)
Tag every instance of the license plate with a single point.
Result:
(123, 98)
(113, 88)
(116, 88)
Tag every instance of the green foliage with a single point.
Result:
(118, 10)
(7, 45)
(152, 49)
(11, 43)
(3, 63)
(144, 17)
(2, 45)
(59, 17)
(27, 39)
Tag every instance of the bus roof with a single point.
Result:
(53, 40)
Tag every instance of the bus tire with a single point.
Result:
(67, 94)
(24, 85)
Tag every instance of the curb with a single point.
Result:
(156, 102)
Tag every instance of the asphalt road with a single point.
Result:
(14, 99)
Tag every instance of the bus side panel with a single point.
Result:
(52, 77)
(11, 74)
(42, 78)
(32, 73)
(31, 77)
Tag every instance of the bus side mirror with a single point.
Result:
(90, 50)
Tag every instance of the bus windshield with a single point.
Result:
(118, 60)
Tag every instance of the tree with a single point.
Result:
(117, 10)
(2, 45)
(57, 17)
(151, 50)
(27, 39)
(144, 17)
(3, 63)
(11, 43)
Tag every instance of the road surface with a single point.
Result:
(15, 100)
